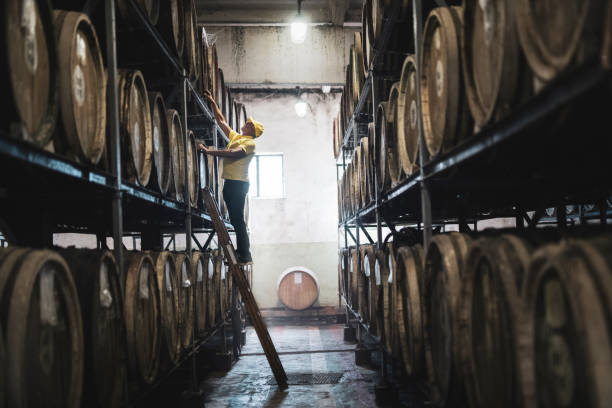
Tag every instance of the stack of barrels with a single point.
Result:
(62, 74)
(68, 332)
(478, 63)
(505, 318)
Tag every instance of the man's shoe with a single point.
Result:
(245, 260)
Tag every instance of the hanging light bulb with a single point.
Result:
(301, 108)
(299, 27)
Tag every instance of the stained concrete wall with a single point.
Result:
(267, 55)
(300, 228)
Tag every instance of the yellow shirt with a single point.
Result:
(238, 169)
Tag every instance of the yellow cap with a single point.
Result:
(258, 126)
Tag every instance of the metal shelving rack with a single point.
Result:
(518, 165)
(57, 194)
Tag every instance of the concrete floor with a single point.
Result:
(245, 385)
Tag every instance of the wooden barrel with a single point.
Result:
(135, 126)
(387, 279)
(354, 268)
(297, 288)
(199, 262)
(203, 45)
(409, 308)
(407, 129)
(366, 274)
(193, 169)
(554, 35)
(43, 329)
(393, 161)
(357, 182)
(490, 309)
(186, 305)
(335, 133)
(365, 166)
(211, 299)
(162, 154)
(491, 58)
(213, 67)
(443, 268)
(446, 119)
(214, 285)
(190, 53)
(82, 87)
(370, 159)
(165, 271)
(349, 100)
(367, 35)
(220, 90)
(96, 276)
(376, 295)
(177, 153)
(566, 331)
(223, 291)
(357, 74)
(382, 133)
(142, 317)
(149, 7)
(29, 70)
(171, 24)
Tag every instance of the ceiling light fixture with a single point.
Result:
(299, 26)
(301, 107)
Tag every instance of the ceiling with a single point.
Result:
(277, 12)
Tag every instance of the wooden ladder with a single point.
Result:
(245, 291)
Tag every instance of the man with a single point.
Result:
(236, 158)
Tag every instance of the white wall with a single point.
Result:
(267, 55)
(301, 228)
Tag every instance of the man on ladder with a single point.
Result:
(236, 158)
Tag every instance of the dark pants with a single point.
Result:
(234, 194)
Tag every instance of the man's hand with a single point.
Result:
(203, 148)
(209, 97)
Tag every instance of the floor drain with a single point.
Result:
(309, 378)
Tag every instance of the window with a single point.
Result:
(266, 176)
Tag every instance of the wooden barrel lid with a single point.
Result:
(199, 261)
(441, 80)
(491, 57)
(177, 150)
(82, 86)
(31, 61)
(551, 34)
(96, 276)
(298, 288)
(162, 158)
(185, 285)
(490, 309)
(210, 288)
(171, 24)
(566, 331)
(443, 266)
(395, 169)
(142, 317)
(407, 130)
(168, 303)
(381, 131)
(135, 126)
(193, 169)
(44, 332)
